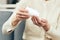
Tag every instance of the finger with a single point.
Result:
(22, 14)
(24, 17)
(43, 24)
(35, 21)
(39, 23)
(43, 20)
(18, 16)
(23, 10)
(38, 20)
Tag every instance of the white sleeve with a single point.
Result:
(7, 27)
(55, 31)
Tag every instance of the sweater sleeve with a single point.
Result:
(7, 26)
(55, 31)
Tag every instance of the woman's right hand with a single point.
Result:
(22, 14)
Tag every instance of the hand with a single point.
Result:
(41, 22)
(20, 15)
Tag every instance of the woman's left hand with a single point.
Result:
(41, 22)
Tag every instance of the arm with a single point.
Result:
(55, 31)
(12, 22)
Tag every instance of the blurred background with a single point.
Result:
(6, 9)
(8, 3)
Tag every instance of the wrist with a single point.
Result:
(46, 28)
(15, 22)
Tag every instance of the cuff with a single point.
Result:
(51, 30)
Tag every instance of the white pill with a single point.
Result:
(32, 12)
